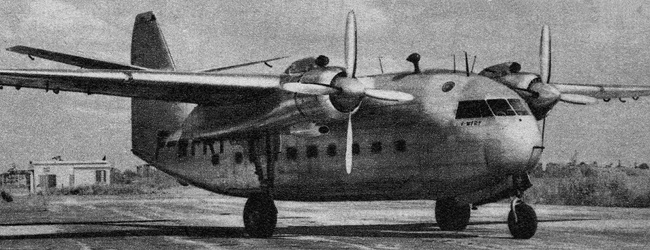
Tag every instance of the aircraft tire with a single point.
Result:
(526, 224)
(260, 216)
(451, 217)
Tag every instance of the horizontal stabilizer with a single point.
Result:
(83, 62)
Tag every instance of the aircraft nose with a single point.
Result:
(516, 147)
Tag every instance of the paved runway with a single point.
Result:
(200, 220)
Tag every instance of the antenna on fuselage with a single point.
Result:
(415, 59)
(380, 65)
(454, 55)
(466, 63)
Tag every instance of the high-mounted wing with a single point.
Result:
(82, 62)
(200, 88)
(241, 65)
(603, 91)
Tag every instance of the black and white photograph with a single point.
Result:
(273, 124)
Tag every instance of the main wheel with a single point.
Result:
(450, 216)
(526, 224)
(260, 216)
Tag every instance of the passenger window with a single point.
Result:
(312, 151)
(400, 145)
(375, 147)
(500, 107)
(356, 149)
(292, 153)
(239, 157)
(473, 109)
(331, 150)
(519, 106)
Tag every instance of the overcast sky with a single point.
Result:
(604, 42)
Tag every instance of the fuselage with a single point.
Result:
(462, 134)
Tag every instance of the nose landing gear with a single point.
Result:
(260, 216)
(522, 220)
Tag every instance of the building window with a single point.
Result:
(375, 147)
(331, 149)
(400, 145)
(312, 151)
(356, 149)
(292, 153)
(182, 148)
(215, 159)
(239, 157)
(100, 176)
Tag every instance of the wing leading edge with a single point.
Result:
(603, 91)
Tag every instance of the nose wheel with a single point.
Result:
(522, 220)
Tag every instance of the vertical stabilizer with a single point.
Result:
(148, 46)
(152, 121)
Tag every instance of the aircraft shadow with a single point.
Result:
(145, 228)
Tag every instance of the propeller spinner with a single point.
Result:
(347, 91)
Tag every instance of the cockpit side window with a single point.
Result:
(519, 107)
(473, 109)
(500, 107)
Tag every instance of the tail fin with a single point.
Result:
(152, 121)
(148, 46)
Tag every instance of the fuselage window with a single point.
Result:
(215, 159)
(375, 147)
(292, 153)
(331, 150)
(473, 109)
(400, 145)
(356, 149)
(312, 151)
(500, 107)
(518, 106)
(239, 157)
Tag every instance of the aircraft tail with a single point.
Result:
(148, 46)
(152, 121)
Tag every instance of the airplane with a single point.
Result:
(322, 133)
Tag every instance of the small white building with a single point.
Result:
(60, 174)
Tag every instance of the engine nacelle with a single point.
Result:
(321, 108)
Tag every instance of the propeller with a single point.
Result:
(347, 91)
(545, 72)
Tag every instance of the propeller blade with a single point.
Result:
(348, 146)
(388, 95)
(545, 55)
(577, 99)
(351, 44)
(310, 88)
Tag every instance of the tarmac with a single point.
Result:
(196, 219)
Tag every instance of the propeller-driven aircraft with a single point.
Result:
(323, 133)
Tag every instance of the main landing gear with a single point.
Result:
(260, 216)
(260, 213)
(450, 216)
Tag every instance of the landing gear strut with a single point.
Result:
(260, 213)
(450, 216)
(522, 220)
